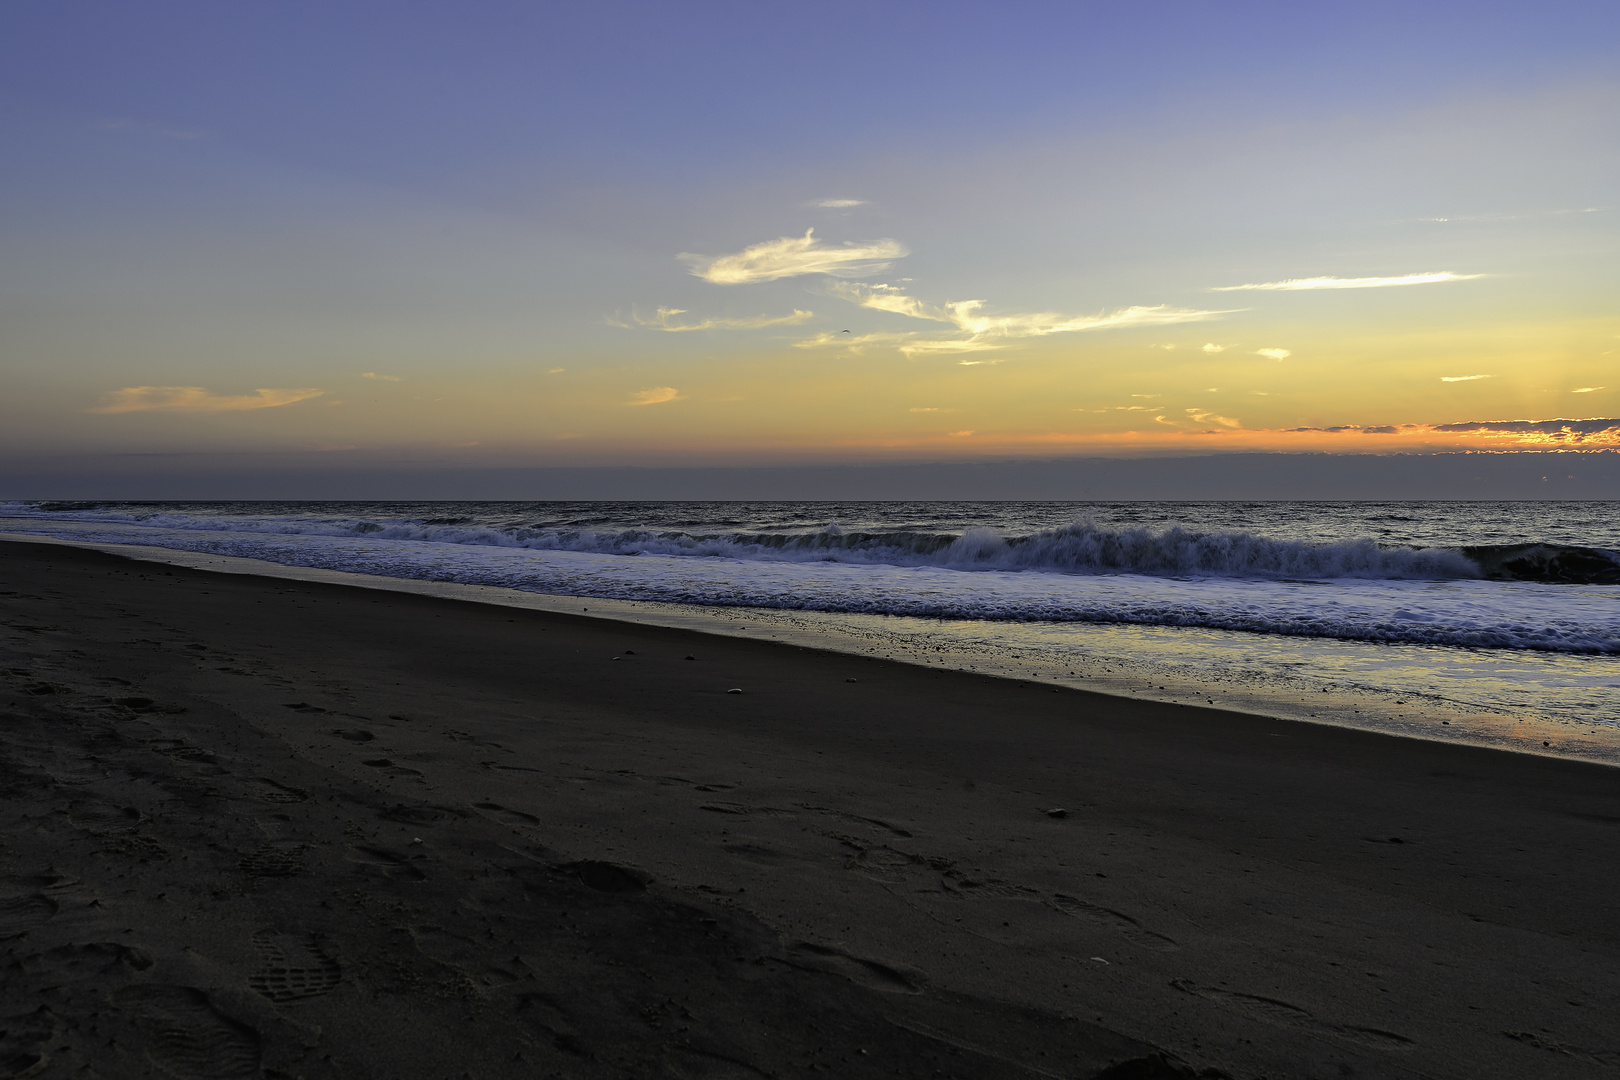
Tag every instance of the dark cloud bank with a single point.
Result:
(1519, 475)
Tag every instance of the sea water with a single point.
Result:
(1495, 621)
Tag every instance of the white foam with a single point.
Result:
(1458, 612)
(1081, 547)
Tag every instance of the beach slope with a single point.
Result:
(256, 827)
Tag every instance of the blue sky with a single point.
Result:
(481, 233)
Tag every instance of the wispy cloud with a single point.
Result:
(1303, 284)
(987, 331)
(381, 377)
(837, 204)
(654, 395)
(1464, 378)
(556, 371)
(1273, 354)
(662, 321)
(968, 316)
(909, 343)
(1204, 416)
(792, 256)
(920, 408)
(196, 399)
(1211, 347)
(1588, 389)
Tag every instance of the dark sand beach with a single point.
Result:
(256, 827)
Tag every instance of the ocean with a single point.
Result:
(1495, 622)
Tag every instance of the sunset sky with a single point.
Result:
(525, 234)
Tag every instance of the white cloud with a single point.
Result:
(966, 315)
(1463, 378)
(1273, 354)
(662, 321)
(380, 377)
(1588, 389)
(792, 256)
(1211, 347)
(909, 343)
(934, 346)
(1203, 417)
(1300, 284)
(985, 330)
(838, 204)
(196, 399)
(654, 395)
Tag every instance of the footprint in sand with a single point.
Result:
(267, 790)
(24, 1040)
(186, 1037)
(886, 864)
(282, 858)
(194, 754)
(20, 914)
(292, 967)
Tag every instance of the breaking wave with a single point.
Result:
(1079, 548)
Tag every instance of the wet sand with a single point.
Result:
(257, 827)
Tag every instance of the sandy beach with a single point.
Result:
(259, 827)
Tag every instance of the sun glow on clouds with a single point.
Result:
(1588, 389)
(1203, 416)
(1305, 284)
(1274, 354)
(793, 256)
(1463, 378)
(985, 331)
(1194, 432)
(196, 399)
(662, 321)
(380, 377)
(654, 395)
(966, 315)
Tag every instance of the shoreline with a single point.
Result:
(324, 831)
(1115, 672)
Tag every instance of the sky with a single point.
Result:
(339, 235)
